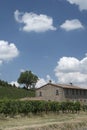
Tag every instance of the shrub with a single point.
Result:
(13, 107)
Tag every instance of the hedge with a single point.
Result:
(13, 107)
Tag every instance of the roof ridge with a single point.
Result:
(66, 86)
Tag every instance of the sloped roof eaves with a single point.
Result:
(69, 86)
(48, 84)
(72, 87)
(43, 86)
(62, 86)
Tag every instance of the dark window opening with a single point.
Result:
(57, 92)
(84, 100)
(80, 92)
(72, 91)
(40, 94)
(76, 91)
(84, 92)
(67, 92)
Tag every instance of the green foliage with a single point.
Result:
(5, 84)
(77, 106)
(70, 107)
(27, 78)
(13, 107)
(15, 93)
(55, 106)
(84, 107)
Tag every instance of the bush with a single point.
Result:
(13, 107)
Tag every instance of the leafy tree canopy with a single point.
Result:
(28, 78)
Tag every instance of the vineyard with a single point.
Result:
(14, 107)
(15, 93)
(10, 103)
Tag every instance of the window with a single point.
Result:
(84, 100)
(80, 92)
(84, 91)
(76, 91)
(72, 91)
(57, 92)
(40, 94)
(67, 91)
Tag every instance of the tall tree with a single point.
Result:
(28, 78)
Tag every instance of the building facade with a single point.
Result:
(61, 92)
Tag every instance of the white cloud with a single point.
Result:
(71, 69)
(34, 22)
(70, 25)
(18, 16)
(40, 82)
(15, 83)
(0, 62)
(82, 4)
(8, 51)
(43, 81)
(86, 54)
(22, 70)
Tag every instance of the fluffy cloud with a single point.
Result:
(15, 83)
(8, 51)
(40, 82)
(43, 81)
(72, 25)
(0, 62)
(81, 3)
(34, 22)
(22, 70)
(70, 69)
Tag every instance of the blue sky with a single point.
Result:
(47, 37)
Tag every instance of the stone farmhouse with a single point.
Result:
(61, 92)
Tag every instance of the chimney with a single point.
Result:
(71, 84)
(50, 81)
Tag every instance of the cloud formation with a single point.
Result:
(71, 69)
(82, 4)
(70, 25)
(8, 51)
(34, 22)
(40, 82)
(43, 81)
(15, 83)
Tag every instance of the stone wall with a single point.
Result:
(50, 92)
(57, 93)
(76, 95)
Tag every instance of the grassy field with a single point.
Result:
(15, 93)
(44, 122)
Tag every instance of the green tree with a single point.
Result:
(28, 78)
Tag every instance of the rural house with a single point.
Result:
(62, 92)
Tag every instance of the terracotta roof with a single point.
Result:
(66, 86)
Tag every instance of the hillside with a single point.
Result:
(15, 93)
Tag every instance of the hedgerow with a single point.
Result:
(13, 107)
